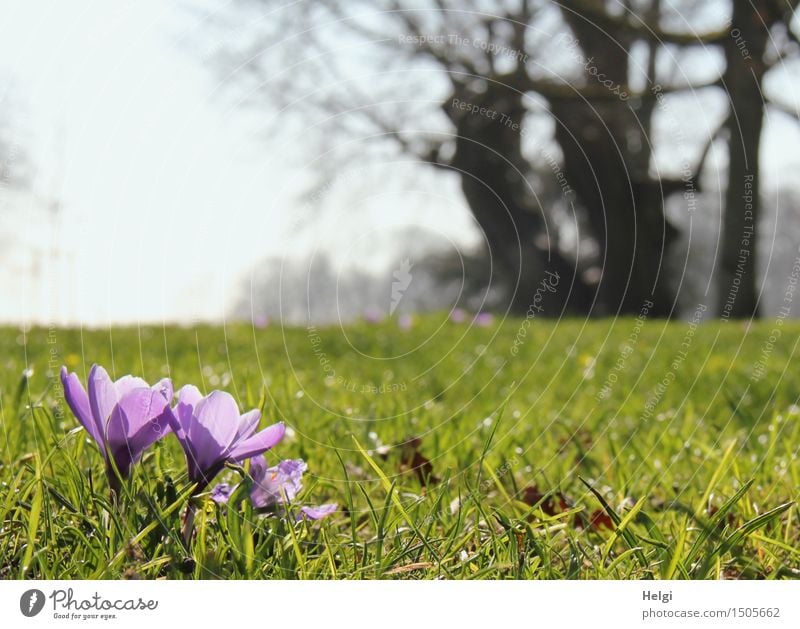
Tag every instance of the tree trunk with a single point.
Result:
(744, 54)
(494, 178)
(607, 159)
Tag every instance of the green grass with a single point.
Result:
(694, 479)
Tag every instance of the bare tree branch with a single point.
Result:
(640, 29)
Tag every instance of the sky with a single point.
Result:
(155, 192)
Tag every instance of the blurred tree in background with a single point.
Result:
(545, 111)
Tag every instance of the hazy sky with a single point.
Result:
(155, 192)
(166, 191)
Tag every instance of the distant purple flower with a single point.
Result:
(211, 431)
(260, 321)
(123, 417)
(484, 319)
(373, 315)
(405, 321)
(317, 513)
(275, 487)
(458, 315)
(221, 493)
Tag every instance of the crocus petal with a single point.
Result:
(293, 468)
(177, 426)
(139, 419)
(102, 396)
(248, 424)
(165, 388)
(258, 467)
(178, 419)
(126, 384)
(188, 397)
(213, 428)
(317, 513)
(258, 443)
(78, 401)
(221, 493)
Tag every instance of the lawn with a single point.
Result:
(537, 450)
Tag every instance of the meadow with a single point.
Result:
(622, 449)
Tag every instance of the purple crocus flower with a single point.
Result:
(484, 319)
(221, 493)
(405, 321)
(458, 315)
(373, 315)
(275, 487)
(123, 417)
(260, 321)
(317, 513)
(211, 431)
